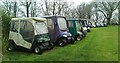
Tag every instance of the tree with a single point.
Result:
(107, 9)
(46, 7)
(80, 11)
(15, 9)
(84, 11)
(55, 7)
(27, 5)
(119, 11)
(34, 9)
(11, 7)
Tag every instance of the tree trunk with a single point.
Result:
(54, 4)
(15, 9)
(108, 21)
(27, 8)
(46, 6)
(109, 18)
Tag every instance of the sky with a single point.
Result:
(77, 2)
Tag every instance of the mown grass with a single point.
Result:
(101, 44)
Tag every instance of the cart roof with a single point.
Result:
(30, 18)
(52, 16)
(75, 19)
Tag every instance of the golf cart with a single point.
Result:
(105, 24)
(29, 33)
(75, 29)
(58, 30)
(93, 24)
(85, 25)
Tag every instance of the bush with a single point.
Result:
(5, 28)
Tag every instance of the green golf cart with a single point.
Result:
(75, 28)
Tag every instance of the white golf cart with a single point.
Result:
(30, 33)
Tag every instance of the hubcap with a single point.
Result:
(9, 49)
(78, 38)
(61, 44)
(64, 41)
(52, 44)
(36, 49)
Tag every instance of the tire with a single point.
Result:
(88, 30)
(50, 46)
(38, 49)
(78, 38)
(62, 42)
(81, 36)
(11, 46)
(72, 40)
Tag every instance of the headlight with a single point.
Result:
(70, 34)
(40, 40)
(81, 33)
(84, 28)
(64, 35)
(88, 27)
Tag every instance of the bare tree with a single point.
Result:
(34, 8)
(46, 7)
(11, 7)
(88, 9)
(55, 7)
(27, 5)
(119, 11)
(107, 9)
(96, 13)
(7, 6)
(15, 9)
(84, 10)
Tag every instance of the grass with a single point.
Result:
(101, 44)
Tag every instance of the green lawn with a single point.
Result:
(101, 44)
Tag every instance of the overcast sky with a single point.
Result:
(77, 2)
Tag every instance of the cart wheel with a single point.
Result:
(72, 40)
(62, 42)
(78, 38)
(11, 46)
(88, 30)
(50, 46)
(38, 49)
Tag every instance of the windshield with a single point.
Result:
(70, 24)
(78, 26)
(62, 24)
(41, 27)
(85, 22)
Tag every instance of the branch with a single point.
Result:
(118, 4)
(105, 7)
(102, 12)
(23, 3)
(29, 4)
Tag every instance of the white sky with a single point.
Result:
(77, 2)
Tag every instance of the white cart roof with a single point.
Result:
(30, 18)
